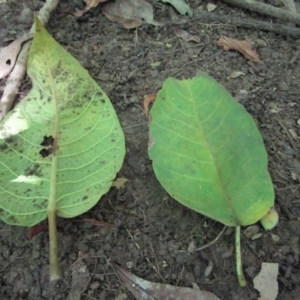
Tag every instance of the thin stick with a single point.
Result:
(267, 9)
(213, 241)
(204, 16)
(239, 268)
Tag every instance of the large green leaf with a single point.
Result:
(208, 153)
(62, 145)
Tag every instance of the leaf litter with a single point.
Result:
(266, 281)
(129, 13)
(89, 4)
(186, 35)
(119, 183)
(9, 55)
(147, 290)
(243, 47)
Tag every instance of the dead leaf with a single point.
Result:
(147, 290)
(36, 229)
(266, 281)
(9, 55)
(147, 100)
(235, 74)
(242, 46)
(89, 4)
(211, 7)
(186, 36)
(80, 279)
(98, 223)
(130, 13)
(119, 183)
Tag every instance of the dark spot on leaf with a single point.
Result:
(46, 152)
(48, 141)
(112, 140)
(8, 62)
(33, 170)
(3, 147)
(49, 99)
(48, 144)
(27, 192)
(102, 100)
(9, 140)
(99, 94)
(12, 219)
(85, 197)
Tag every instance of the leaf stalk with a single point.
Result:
(53, 246)
(239, 268)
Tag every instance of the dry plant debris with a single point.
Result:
(243, 47)
(9, 54)
(147, 100)
(147, 290)
(186, 36)
(266, 281)
(89, 4)
(129, 13)
(119, 183)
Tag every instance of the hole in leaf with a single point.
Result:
(46, 152)
(48, 144)
(48, 141)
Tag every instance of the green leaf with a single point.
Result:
(208, 153)
(62, 145)
(180, 6)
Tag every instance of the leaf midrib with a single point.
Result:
(210, 152)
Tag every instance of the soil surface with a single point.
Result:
(152, 232)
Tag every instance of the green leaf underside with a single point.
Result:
(65, 103)
(208, 153)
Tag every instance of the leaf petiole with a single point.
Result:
(239, 268)
(53, 245)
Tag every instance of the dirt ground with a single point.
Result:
(152, 231)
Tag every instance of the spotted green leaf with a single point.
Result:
(62, 145)
(208, 153)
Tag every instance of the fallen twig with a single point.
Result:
(284, 30)
(14, 80)
(267, 9)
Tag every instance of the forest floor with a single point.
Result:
(152, 232)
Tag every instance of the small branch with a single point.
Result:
(14, 80)
(239, 268)
(266, 9)
(213, 241)
(284, 30)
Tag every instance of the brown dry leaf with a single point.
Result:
(36, 229)
(242, 46)
(98, 223)
(81, 279)
(266, 281)
(147, 290)
(89, 4)
(130, 13)
(9, 55)
(186, 36)
(147, 100)
(119, 183)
